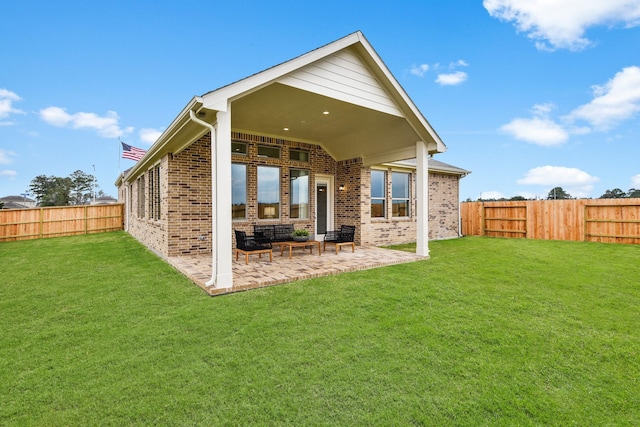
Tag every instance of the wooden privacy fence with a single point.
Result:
(37, 223)
(598, 220)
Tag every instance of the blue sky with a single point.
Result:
(528, 95)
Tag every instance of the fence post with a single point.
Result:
(584, 222)
(41, 222)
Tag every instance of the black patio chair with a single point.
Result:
(343, 237)
(247, 245)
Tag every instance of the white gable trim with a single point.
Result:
(219, 99)
(345, 77)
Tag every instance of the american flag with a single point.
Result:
(132, 153)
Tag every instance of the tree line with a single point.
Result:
(558, 193)
(79, 188)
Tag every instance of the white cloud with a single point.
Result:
(452, 79)
(491, 195)
(149, 135)
(527, 195)
(106, 126)
(419, 70)
(575, 181)
(635, 181)
(613, 102)
(9, 173)
(7, 98)
(5, 157)
(543, 110)
(537, 130)
(561, 24)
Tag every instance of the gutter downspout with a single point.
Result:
(214, 189)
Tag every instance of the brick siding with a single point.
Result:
(185, 185)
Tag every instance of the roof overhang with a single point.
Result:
(285, 102)
(181, 133)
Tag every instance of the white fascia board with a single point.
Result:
(158, 147)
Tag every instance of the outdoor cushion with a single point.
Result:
(276, 233)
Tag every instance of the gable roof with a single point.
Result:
(369, 114)
(434, 166)
(437, 166)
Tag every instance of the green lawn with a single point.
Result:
(95, 330)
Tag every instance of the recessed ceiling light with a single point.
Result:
(286, 129)
(325, 112)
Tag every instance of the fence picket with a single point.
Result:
(35, 223)
(598, 220)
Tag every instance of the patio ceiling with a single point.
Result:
(343, 129)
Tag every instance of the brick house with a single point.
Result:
(325, 139)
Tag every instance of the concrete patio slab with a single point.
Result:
(260, 272)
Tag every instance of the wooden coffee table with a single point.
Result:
(308, 244)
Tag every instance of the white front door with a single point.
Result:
(324, 205)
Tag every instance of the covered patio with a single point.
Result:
(261, 273)
(328, 116)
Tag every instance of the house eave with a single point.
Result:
(174, 138)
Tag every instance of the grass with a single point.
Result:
(98, 331)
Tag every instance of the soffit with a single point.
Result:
(347, 132)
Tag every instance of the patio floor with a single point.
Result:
(260, 272)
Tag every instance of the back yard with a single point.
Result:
(96, 330)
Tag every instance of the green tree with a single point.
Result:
(558, 193)
(616, 193)
(51, 190)
(81, 188)
(1, 205)
(518, 198)
(76, 189)
(633, 193)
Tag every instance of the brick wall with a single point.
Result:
(443, 211)
(320, 162)
(153, 233)
(185, 223)
(348, 209)
(444, 206)
(188, 200)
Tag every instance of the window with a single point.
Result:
(299, 190)
(141, 197)
(299, 155)
(268, 192)
(130, 199)
(154, 193)
(238, 191)
(269, 151)
(378, 193)
(400, 194)
(239, 148)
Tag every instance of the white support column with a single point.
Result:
(222, 202)
(422, 199)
